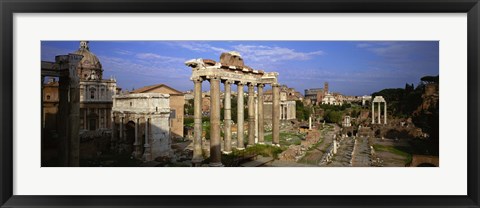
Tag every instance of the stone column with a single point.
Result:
(334, 146)
(261, 125)
(137, 150)
(310, 123)
(373, 112)
(197, 115)
(147, 156)
(63, 112)
(276, 115)
(215, 149)
(227, 132)
(379, 113)
(121, 129)
(282, 115)
(41, 109)
(114, 132)
(74, 120)
(256, 119)
(251, 114)
(105, 118)
(240, 108)
(85, 111)
(385, 112)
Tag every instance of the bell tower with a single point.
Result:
(84, 45)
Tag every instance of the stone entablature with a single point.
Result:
(142, 103)
(208, 68)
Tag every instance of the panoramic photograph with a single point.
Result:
(239, 103)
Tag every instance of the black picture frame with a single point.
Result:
(10, 7)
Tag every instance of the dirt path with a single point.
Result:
(361, 155)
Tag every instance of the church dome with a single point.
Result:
(89, 59)
(89, 68)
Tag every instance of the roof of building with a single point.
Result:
(152, 87)
(89, 59)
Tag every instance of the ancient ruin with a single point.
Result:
(379, 100)
(231, 70)
(64, 68)
(141, 125)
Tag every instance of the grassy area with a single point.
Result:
(394, 150)
(305, 159)
(237, 156)
(295, 138)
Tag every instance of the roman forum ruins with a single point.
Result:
(147, 114)
(379, 100)
(231, 70)
(65, 67)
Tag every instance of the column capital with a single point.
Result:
(275, 85)
(228, 82)
(240, 83)
(260, 85)
(197, 80)
(214, 77)
(252, 84)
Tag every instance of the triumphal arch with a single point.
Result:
(231, 70)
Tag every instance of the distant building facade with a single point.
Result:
(176, 105)
(316, 95)
(288, 96)
(141, 125)
(95, 92)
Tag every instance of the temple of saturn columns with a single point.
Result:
(379, 100)
(231, 70)
(141, 125)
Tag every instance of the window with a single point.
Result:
(172, 114)
(48, 97)
(92, 94)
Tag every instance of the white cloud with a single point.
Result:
(363, 45)
(123, 52)
(260, 53)
(159, 58)
(255, 54)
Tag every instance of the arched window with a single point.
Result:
(48, 97)
(92, 94)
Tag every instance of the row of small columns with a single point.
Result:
(137, 144)
(215, 141)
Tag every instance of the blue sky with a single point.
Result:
(350, 67)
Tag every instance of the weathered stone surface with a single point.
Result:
(153, 110)
(231, 58)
